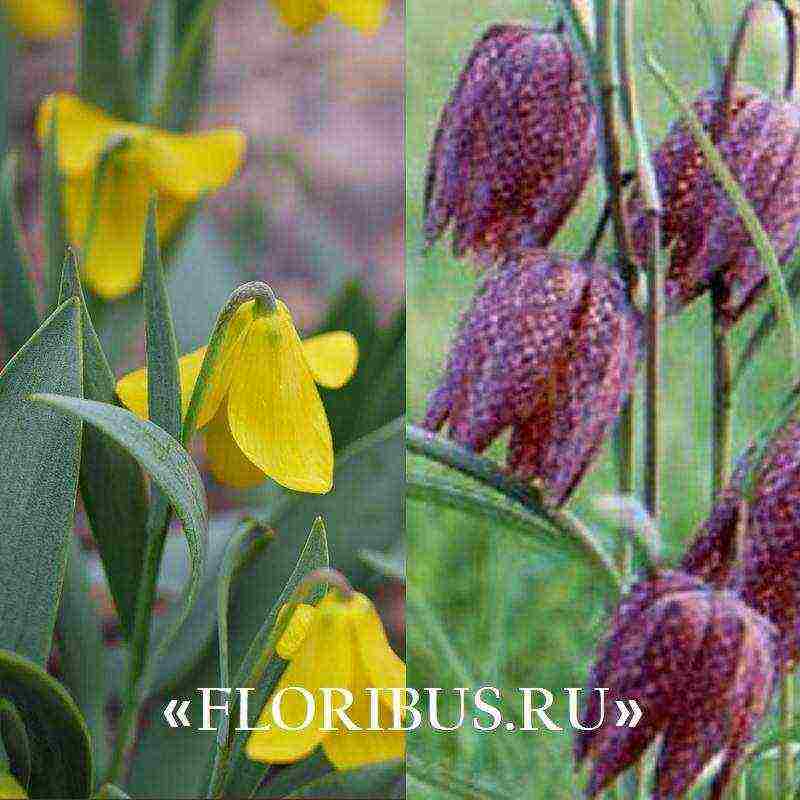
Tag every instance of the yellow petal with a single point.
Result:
(366, 15)
(10, 788)
(84, 130)
(300, 15)
(384, 667)
(296, 632)
(112, 256)
(324, 659)
(132, 388)
(274, 409)
(190, 166)
(42, 19)
(348, 749)
(226, 461)
(332, 358)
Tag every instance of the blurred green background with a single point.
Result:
(486, 607)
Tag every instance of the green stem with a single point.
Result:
(785, 755)
(626, 456)
(722, 403)
(193, 41)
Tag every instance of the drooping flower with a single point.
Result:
(766, 573)
(702, 667)
(180, 169)
(515, 145)
(302, 15)
(263, 415)
(41, 19)
(549, 348)
(339, 643)
(760, 143)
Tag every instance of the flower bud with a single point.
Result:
(759, 141)
(767, 573)
(701, 666)
(549, 348)
(515, 145)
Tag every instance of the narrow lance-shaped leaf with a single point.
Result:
(39, 463)
(169, 465)
(385, 780)
(55, 237)
(19, 317)
(59, 742)
(244, 776)
(111, 481)
(16, 743)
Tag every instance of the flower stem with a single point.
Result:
(193, 41)
(785, 755)
(722, 403)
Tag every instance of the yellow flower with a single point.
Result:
(339, 643)
(41, 19)
(10, 788)
(302, 15)
(263, 415)
(179, 168)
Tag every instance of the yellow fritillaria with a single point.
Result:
(339, 643)
(179, 168)
(263, 415)
(41, 19)
(302, 15)
(10, 788)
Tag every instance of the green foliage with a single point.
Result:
(59, 745)
(385, 780)
(55, 237)
(39, 464)
(111, 482)
(20, 315)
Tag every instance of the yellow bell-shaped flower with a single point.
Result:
(179, 168)
(338, 644)
(263, 415)
(302, 15)
(10, 788)
(41, 19)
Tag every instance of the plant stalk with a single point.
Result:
(722, 405)
(785, 755)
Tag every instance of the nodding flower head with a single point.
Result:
(759, 139)
(548, 348)
(701, 666)
(765, 574)
(515, 145)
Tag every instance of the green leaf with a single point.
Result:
(169, 465)
(60, 747)
(111, 481)
(55, 237)
(110, 792)
(83, 655)
(20, 316)
(16, 744)
(383, 781)
(104, 78)
(163, 379)
(156, 54)
(39, 463)
(244, 776)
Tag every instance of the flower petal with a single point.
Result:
(274, 410)
(84, 130)
(227, 463)
(384, 668)
(112, 259)
(42, 19)
(366, 15)
(190, 166)
(332, 358)
(300, 15)
(132, 388)
(347, 749)
(324, 659)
